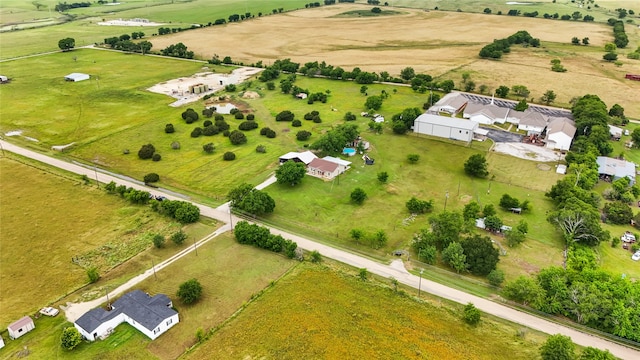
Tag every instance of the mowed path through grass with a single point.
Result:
(296, 319)
(46, 221)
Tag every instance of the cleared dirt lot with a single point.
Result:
(434, 42)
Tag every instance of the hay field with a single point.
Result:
(391, 43)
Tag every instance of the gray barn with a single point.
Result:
(445, 127)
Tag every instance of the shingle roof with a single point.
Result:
(144, 309)
(563, 125)
(533, 118)
(20, 323)
(323, 165)
(454, 100)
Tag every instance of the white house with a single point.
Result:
(343, 165)
(20, 327)
(560, 133)
(531, 121)
(616, 169)
(323, 169)
(303, 157)
(485, 114)
(77, 77)
(150, 315)
(452, 103)
(445, 127)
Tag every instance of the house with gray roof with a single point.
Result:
(485, 113)
(615, 169)
(452, 103)
(151, 315)
(531, 121)
(560, 133)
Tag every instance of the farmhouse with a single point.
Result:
(151, 315)
(560, 133)
(75, 77)
(303, 157)
(323, 169)
(452, 103)
(614, 169)
(445, 127)
(21, 327)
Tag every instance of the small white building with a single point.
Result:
(1, 342)
(3, 79)
(560, 133)
(75, 77)
(303, 157)
(152, 316)
(615, 132)
(445, 127)
(21, 327)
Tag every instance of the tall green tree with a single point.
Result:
(70, 338)
(66, 44)
(454, 256)
(482, 256)
(476, 165)
(190, 291)
(290, 173)
(558, 347)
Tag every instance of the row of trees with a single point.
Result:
(503, 46)
(260, 236)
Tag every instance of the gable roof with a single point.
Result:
(146, 310)
(337, 160)
(491, 111)
(453, 100)
(615, 131)
(306, 157)
(15, 326)
(323, 165)
(616, 168)
(77, 77)
(562, 125)
(447, 121)
(531, 118)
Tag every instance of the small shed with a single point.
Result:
(21, 327)
(75, 77)
(1, 342)
(3, 79)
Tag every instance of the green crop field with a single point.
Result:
(295, 319)
(230, 274)
(47, 220)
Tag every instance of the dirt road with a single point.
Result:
(404, 277)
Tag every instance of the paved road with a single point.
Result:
(503, 136)
(383, 270)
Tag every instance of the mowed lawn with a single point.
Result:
(47, 220)
(230, 274)
(295, 320)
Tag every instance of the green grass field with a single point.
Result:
(230, 274)
(363, 320)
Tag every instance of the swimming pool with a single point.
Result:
(349, 151)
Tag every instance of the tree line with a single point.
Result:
(260, 236)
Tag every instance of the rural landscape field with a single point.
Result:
(68, 239)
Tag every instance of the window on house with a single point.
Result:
(169, 322)
(156, 331)
(19, 330)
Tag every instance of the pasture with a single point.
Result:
(363, 320)
(318, 35)
(230, 274)
(49, 218)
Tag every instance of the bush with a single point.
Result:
(248, 125)
(222, 125)
(169, 129)
(471, 314)
(175, 145)
(156, 157)
(358, 196)
(317, 120)
(315, 256)
(218, 117)
(383, 176)
(209, 148)
(303, 135)
(285, 115)
(158, 241)
(146, 151)
(237, 137)
(93, 274)
(70, 338)
(207, 123)
(251, 117)
(413, 158)
(308, 116)
(210, 130)
(496, 277)
(226, 133)
(196, 132)
(349, 116)
(228, 156)
(190, 116)
(417, 206)
(179, 237)
(151, 178)
(190, 291)
(239, 115)
(230, 88)
(261, 149)
(296, 123)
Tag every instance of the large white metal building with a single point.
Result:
(445, 127)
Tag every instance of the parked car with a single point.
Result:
(628, 237)
(49, 311)
(636, 256)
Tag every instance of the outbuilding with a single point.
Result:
(75, 77)
(445, 127)
(3, 79)
(21, 327)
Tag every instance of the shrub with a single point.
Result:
(226, 133)
(190, 291)
(151, 178)
(93, 274)
(237, 137)
(207, 112)
(158, 241)
(156, 157)
(239, 115)
(296, 123)
(315, 256)
(383, 176)
(358, 196)
(413, 158)
(248, 125)
(471, 314)
(175, 145)
(209, 148)
(146, 151)
(196, 132)
(207, 123)
(190, 116)
(271, 134)
(308, 116)
(179, 237)
(169, 129)
(222, 125)
(230, 88)
(70, 338)
(285, 115)
(251, 117)
(349, 116)
(261, 149)
(303, 135)
(218, 117)
(317, 120)
(210, 130)
(228, 156)
(496, 277)
(417, 206)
